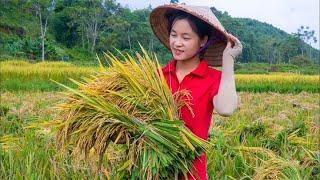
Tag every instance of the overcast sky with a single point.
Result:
(287, 15)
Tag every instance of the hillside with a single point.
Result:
(70, 38)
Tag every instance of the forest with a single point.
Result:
(78, 30)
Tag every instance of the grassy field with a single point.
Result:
(274, 134)
(270, 136)
(23, 76)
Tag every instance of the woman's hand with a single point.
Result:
(234, 47)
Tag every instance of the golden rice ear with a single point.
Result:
(100, 63)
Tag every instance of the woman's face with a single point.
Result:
(184, 42)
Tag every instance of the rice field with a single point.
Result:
(21, 76)
(270, 136)
(274, 134)
(278, 82)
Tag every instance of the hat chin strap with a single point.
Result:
(208, 43)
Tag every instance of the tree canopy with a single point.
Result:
(77, 30)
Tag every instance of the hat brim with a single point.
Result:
(159, 25)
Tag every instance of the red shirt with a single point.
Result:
(203, 84)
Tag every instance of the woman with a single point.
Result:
(196, 40)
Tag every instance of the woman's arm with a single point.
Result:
(226, 101)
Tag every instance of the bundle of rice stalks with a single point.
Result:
(129, 101)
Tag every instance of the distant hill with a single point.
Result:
(263, 42)
(70, 38)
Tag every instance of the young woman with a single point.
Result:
(197, 40)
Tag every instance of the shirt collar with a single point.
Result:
(170, 67)
(200, 71)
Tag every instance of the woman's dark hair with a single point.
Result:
(200, 27)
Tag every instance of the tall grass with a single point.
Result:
(24, 76)
(21, 75)
(270, 136)
(278, 82)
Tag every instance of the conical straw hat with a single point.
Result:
(159, 25)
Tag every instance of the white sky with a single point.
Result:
(287, 15)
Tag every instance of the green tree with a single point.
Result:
(301, 60)
(289, 48)
(306, 35)
(91, 19)
(43, 10)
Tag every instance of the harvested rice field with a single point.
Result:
(270, 136)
